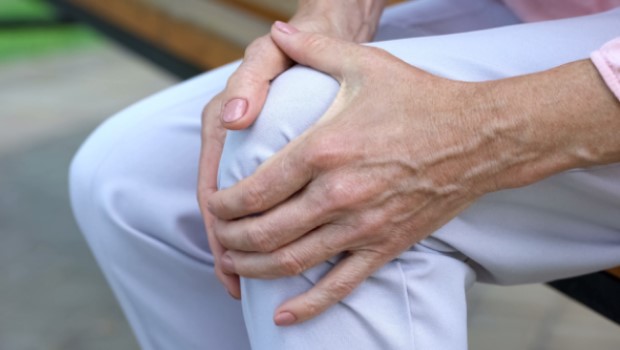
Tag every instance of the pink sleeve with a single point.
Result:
(607, 61)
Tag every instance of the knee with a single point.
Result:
(129, 167)
(297, 99)
(90, 173)
(133, 181)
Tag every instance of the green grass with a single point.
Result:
(16, 43)
(24, 8)
(20, 43)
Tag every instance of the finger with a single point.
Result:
(228, 279)
(310, 250)
(247, 88)
(344, 277)
(277, 227)
(275, 180)
(318, 51)
(213, 135)
(211, 150)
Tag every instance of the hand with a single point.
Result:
(240, 103)
(397, 155)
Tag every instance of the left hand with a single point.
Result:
(399, 153)
(240, 103)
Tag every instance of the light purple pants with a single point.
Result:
(133, 189)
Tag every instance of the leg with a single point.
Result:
(132, 190)
(417, 301)
(438, 17)
(133, 194)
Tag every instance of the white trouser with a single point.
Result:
(133, 190)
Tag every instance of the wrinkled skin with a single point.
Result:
(247, 88)
(388, 164)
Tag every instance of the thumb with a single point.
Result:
(329, 55)
(247, 88)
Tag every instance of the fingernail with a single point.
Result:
(285, 28)
(285, 319)
(234, 110)
(227, 263)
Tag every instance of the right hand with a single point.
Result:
(238, 106)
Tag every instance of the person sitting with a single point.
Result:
(351, 200)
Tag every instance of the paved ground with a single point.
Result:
(52, 296)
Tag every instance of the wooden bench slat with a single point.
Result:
(206, 33)
(183, 38)
(216, 17)
(270, 10)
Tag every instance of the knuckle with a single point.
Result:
(210, 108)
(313, 306)
(260, 240)
(319, 300)
(289, 263)
(314, 42)
(333, 244)
(341, 288)
(214, 204)
(256, 47)
(218, 232)
(338, 193)
(244, 76)
(252, 199)
(250, 72)
(372, 220)
(370, 230)
(323, 152)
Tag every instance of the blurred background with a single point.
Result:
(59, 79)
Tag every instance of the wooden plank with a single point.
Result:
(273, 10)
(157, 55)
(270, 10)
(187, 40)
(207, 33)
(218, 18)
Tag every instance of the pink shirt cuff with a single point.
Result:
(607, 61)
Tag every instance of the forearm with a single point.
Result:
(353, 20)
(555, 120)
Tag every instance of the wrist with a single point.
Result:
(550, 122)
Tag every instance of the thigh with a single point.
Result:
(437, 17)
(564, 226)
(133, 194)
(133, 186)
(147, 155)
(530, 234)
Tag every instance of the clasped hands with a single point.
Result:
(397, 155)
